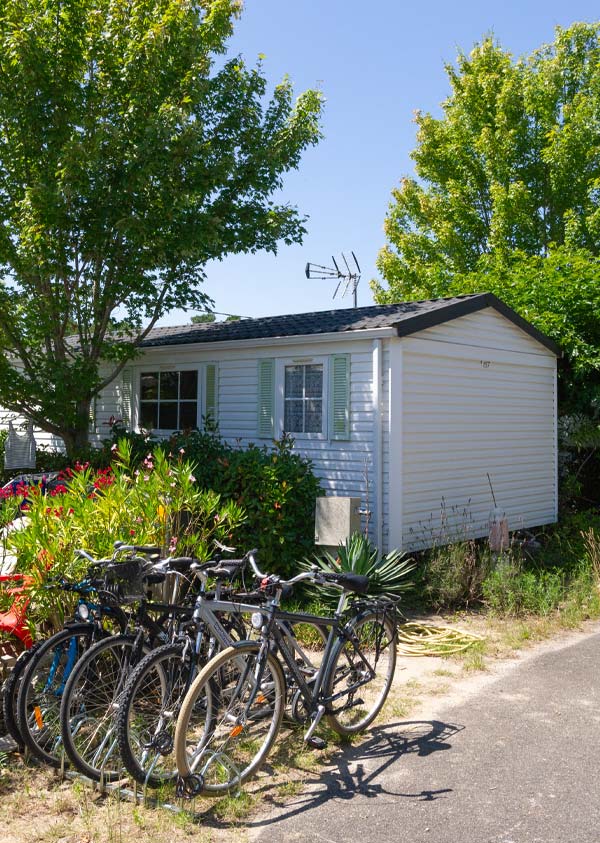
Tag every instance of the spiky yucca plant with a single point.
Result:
(357, 555)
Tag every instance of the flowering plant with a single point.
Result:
(157, 504)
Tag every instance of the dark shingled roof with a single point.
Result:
(406, 317)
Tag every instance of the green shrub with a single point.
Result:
(509, 590)
(453, 574)
(357, 555)
(275, 486)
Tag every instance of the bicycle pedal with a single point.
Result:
(316, 743)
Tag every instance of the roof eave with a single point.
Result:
(430, 319)
(294, 339)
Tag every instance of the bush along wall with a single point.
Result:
(90, 509)
(275, 486)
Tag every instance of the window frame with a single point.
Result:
(161, 368)
(280, 367)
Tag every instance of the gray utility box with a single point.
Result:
(336, 518)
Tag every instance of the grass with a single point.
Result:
(235, 806)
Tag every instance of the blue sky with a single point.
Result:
(376, 64)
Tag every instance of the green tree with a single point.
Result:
(512, 164)
(132, 151)
(507, 194)
(203, 317)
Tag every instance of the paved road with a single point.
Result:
(518, 763)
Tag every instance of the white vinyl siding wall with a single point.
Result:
(341, 465)
(483, 405)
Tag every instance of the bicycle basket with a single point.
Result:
(124, 581)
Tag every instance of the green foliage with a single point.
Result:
(507, 197)
(275, 486)
(563, 577)
(203, 317)
(509, 590)
(579, 459)
(132, 152)
(453, 574)
(357, 555)
(511, 165)
(157, 504)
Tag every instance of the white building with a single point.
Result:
(419, 409)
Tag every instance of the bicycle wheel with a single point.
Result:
(42, 688)
(90, 705)
(148, 713)
(10, 694)
(360, 674)
(230, 718)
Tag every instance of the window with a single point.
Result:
(169, 400)
(303, 398)
(308, 397)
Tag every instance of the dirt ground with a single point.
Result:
(36, 806)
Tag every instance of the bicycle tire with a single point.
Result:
(89, 704)
(148, 714)
(222, 705)
(373, 638)
(42, 687)
(10, 694)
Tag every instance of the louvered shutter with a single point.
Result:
(266, 398)
(339, 397)
(126, 397)
(211, 396)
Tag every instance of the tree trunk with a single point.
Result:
(76, 439)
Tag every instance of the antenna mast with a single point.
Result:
(347, 280)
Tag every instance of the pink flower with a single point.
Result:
(114, 447)
(182, 450)
(192, 479)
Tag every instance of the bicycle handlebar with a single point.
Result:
(343, 581)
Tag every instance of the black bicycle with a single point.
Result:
(233, 711)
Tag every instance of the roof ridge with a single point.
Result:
(350, 310)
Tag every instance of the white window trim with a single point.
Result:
(280, 365)
(166, 367)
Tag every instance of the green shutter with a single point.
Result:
(126, 397)
(211, 396)
(266, 398)
(339, 397)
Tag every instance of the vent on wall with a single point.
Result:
(336, 518)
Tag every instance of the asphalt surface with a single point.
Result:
(519, 762)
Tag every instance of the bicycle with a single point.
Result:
(36, 685)
(93, 693)
(153, 693)
(155, 690)
(233, 711)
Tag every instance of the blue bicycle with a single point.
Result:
(35, 687)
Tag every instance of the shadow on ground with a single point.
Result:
(356, 770)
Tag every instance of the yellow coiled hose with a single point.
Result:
(418, 639)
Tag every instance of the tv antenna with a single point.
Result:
(347, 280)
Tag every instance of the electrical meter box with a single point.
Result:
(336, 518)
